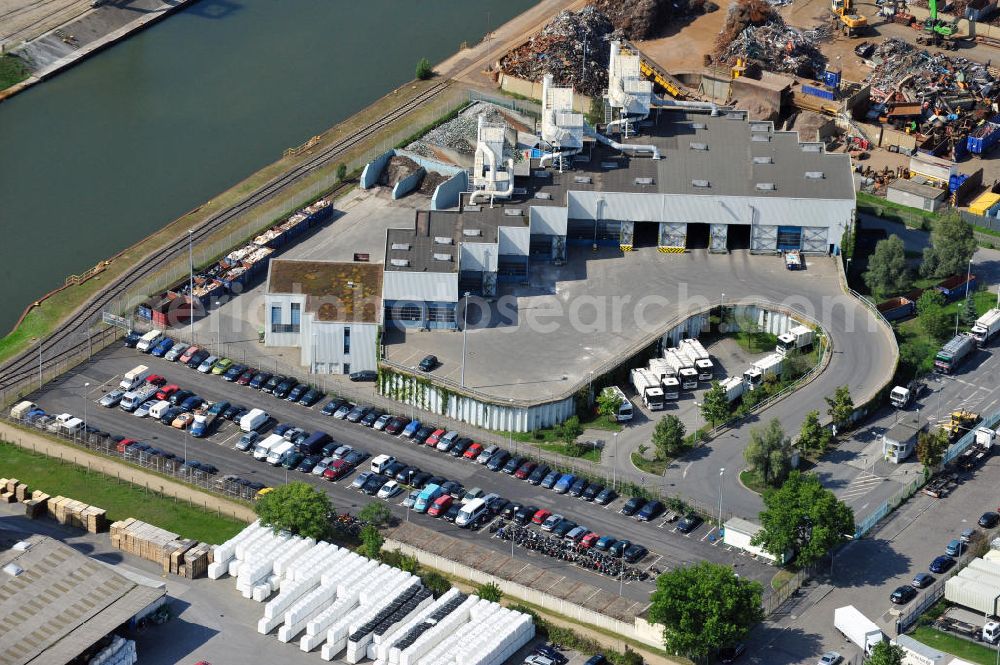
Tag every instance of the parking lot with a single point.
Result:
(668, 548)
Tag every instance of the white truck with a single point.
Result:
(647, 385)
(689, 378)
(253, 420)
(66, 423)
(276, 454)
(900, 397)
(263, 448)
(134, 398)
(767, 366)
(858, 628)
(661, 368)
(991, 632)
(677, 360)
(734, 387)
(664, 371)
(149, 340)
(694, 350)
(625, 411)
(134, 377)
(986, 327)
(671, 388)
(798, 337)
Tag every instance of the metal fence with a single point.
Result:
(887, 506)
(526, 107)
(774, 601)
(969, 438)
(932, 595)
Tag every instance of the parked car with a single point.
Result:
(198, 358)
(220, 366)
(538, 475)
(922, 580)
(619, 547)
(830, 658)
(234, 372)
(525, 470)
(604, 543)
(143, 409)
(207, 364)
(343, 410)
(509, 510)
(902, 595)
(435, 437)
(484, 457)
(171, 414)
(162, 347)
(955, 547)
(635, 553)
(260, 379)
(605, 496)
(440, 505)
(473, 451)
(355, 457)
(552, 521)
(396, 425)
(374, 484)
(988, 520)
(419, 480)
(312, 396)
(282, 389)
(272, 383)
(689, 523)
(176, 351)
(389, 490)
(459, 447)
(337, 469)
(366, 375)
(588, 540)
(524, 514)
(248, 441)
(381, 422)
(371, 417)
(357, 413)
(941, 564)
(132, 339)
(182, 420)
(113, 398)
(309, 463)
(578, 486)
(192, 403)
(451, 514)
(564, 528)
(420, 436)
(428, 363)
(188, 354)
(632, 506)
(551, 479)
(512, 465)
(166, 391)
(405, 474)
(411, 499)
(296, 393)
(576, 534)
(540, 516)
(651, 511)
(179, 396)
(246, 377)
(564, 483)
(331, 407)
(497, 460)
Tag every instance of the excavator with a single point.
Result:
(938, 32)
(851, 23)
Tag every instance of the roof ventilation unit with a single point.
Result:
(812, 147)
(760, 138)
(471, 233)
(400, 263)
(583, 180)
(544, 196)
(609, 165)
(401, 246)
(763, 159)
(13, 569)
(520, 191)
(700, 183)
(442, 240)
(644, 181)
(766, 186)
(699, 125)
(513, 212)
(698, 146)
(489, 177)
(760, 127)
(814, 175)
(442, 257)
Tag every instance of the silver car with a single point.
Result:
(113, 398)
(206, 366)
(411, 499)
(176, 351)
(144, 408)
(830, 658)
(322, 466)
(380, 424)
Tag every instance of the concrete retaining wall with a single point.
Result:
(408, 184)
(373, 170)
(517, 86)
(447, 194)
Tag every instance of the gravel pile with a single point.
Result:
(458, 134)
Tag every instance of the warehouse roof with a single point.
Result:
(336, 290)
(917, 189)
(56, 602)
(932, 656)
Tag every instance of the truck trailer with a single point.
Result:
(695, 352)
(858, 628)
(767, 366)
(798, 337)
(954, 353)
(986, 327)
(734, 387)
(647, 386)
(677, 360)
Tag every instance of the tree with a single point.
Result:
(341, 171)
(802, 516)
(840, 407)
(371, 542)
(608, 402)
(424, 69)
(769, 453)
(887, 270)
(886, 653)
(930, 312)
(813, 437)
(703, 608)
(952, 246)
(969, 313)
(668, 437)
(714, 405)
(489, 591)
(375, 513)
(570, 429)
(435, 582)
(931, 447)
(296, 507)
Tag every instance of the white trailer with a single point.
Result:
(647, 385)
(625, 408)
(661, 368)
(671, 388)
(134, 377)
(689, 378)
(734, 387)
(695, 352)
(986, 327)
(769, 365)
(798, 337)
(858, 628)
(677, 360)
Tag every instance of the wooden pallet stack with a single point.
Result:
(37, 505)
(9, 488)
(196, 561)
(141, 539)
(175, 554)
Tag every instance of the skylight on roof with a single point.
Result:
(698, 146)
(400, 263)
(763, 159)
(442, 240)
(766, 186)
(442, 257)
(401, 246)
(700, 183)
(644, 181)
(815, 175)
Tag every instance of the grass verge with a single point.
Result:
(781, 578)
(555, 434)
(579, 451)
(120, 499)
(12, 71)
(956, 646)
(752, 482)
(654, 466)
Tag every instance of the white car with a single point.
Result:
(380, 424)
(342, 412)
(176, 351)
(411, 499)
(830, 658)
(144, 408)
(206, 366)
(322, 466)
(538, 659)
(113, 398)
(389, 490)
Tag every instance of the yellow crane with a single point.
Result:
(851, 23)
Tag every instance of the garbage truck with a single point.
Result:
(986, 327)
(858, 628)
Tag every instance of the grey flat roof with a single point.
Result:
(917, 189)
(61, 602)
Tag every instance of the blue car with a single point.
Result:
(161, 349)
(564, 483)
(941, 564)
(411, 429)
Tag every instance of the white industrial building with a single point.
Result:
(679, 176)
(738, 533)
(330, 310)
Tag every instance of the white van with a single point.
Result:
(68, 424)
(149, 340)
(253, 420)
(157, 410)
(381, 462)
(134, 377)
(275, 454)
(264, 447)
(21, 409)
(470, 512)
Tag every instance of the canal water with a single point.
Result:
(111, 150)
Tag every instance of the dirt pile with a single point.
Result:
(560, 47)
(637, 19)
(397, 169)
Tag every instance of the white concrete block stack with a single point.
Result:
(225, 552)
(388, 650)
(119, 652)
(414, 654)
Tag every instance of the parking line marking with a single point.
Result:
(709, 533)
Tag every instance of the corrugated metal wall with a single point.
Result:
(690, 328)
(420, 286)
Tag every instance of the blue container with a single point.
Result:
(817, 92)
(832, 78)
(955, 181)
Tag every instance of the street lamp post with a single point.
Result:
(85, 400)
(191, 284)
(722, 473)
(614, 468)
(465, 333)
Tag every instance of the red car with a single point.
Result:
(541, 516)
(125, 443)
(525, 470)
(589, 540)
(155, 379)
(440, 506)
(473, 451)
(246, 377)
(435, 437)
(166, 391)
(338, 469)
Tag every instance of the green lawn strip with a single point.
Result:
(12, 71)
(590, 454)
(653, 466)
(956, 646)
(119, 498)
(752, 482)
(781, 578)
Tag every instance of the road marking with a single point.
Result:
(709, 533)
(684, 475)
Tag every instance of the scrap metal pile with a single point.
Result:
(558, 49)
(639, 19)
(757, 35)
(904, 73)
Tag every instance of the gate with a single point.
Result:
(764, 238)
(789, 237)
(814, 239)
(673, 237)
(719, 234)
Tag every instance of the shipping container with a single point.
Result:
(818, 92)
(897, 308)
(984, 204)
(957, 286)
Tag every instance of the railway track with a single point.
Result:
(67, 339)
